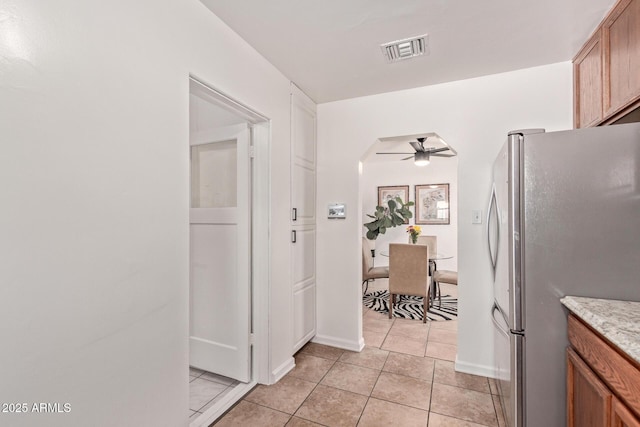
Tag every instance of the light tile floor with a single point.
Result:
(404, 376)
(205, 389)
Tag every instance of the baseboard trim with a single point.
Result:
(282, 370)
(339, 342)
(474, 369)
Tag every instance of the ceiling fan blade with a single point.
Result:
(437, 150)
(443, 155)
(417, 146)
(407, 158)
(394, 153)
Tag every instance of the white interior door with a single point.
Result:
(220, 230)
(303, 217)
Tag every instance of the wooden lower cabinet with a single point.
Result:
(621, 416)
(588, 399)
(592, 402)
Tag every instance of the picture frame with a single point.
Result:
(337, 211)
(432, 204)
(391, 192)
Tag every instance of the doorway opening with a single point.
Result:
(390, 168)
(228, 255)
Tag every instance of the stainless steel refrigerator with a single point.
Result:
(563, 219)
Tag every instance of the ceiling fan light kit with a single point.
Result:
(421, 158)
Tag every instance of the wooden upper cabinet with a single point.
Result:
(606, 71)
(587, 81)
(621, 35)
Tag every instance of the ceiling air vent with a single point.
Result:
(406, 48)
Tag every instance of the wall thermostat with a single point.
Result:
(337, 210)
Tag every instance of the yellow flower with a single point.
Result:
(414, 230)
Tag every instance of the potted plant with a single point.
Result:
(390, 217)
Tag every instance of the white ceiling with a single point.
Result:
(330, 48)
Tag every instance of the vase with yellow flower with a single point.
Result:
(414, 231)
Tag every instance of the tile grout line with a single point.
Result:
(376, 383)
(315, 387)
(461, 419)
(261, 405)
(351, 364)
(377, 379)
(462, 388)
(433, 381)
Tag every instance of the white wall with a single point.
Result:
(94, 100)
(474, 116)
(439, 171)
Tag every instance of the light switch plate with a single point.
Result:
(476, 217)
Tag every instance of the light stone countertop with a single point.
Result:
(618, 321)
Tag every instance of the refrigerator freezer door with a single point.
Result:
(518, 402)
(508, 361)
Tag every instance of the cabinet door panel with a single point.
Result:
(622, 43)
(303, 191)
(303, 159)
(303, 255)
(615, 369)
(588, 399)
(622, 417)
(587, 71)
(304, 316)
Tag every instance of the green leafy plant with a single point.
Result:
(384, 218)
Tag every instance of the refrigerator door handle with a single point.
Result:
(495, 321)
(493, 202)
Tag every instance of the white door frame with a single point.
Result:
(260, 252)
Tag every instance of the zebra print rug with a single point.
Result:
(410, 307)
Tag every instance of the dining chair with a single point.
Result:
(444, 276)
(408, 273)
(432, 243)
(369, 272)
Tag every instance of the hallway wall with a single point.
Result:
(473, 116)
(94, 165)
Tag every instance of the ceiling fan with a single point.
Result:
(422, 154)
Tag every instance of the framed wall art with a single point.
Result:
(391, 192)
(432, 204)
